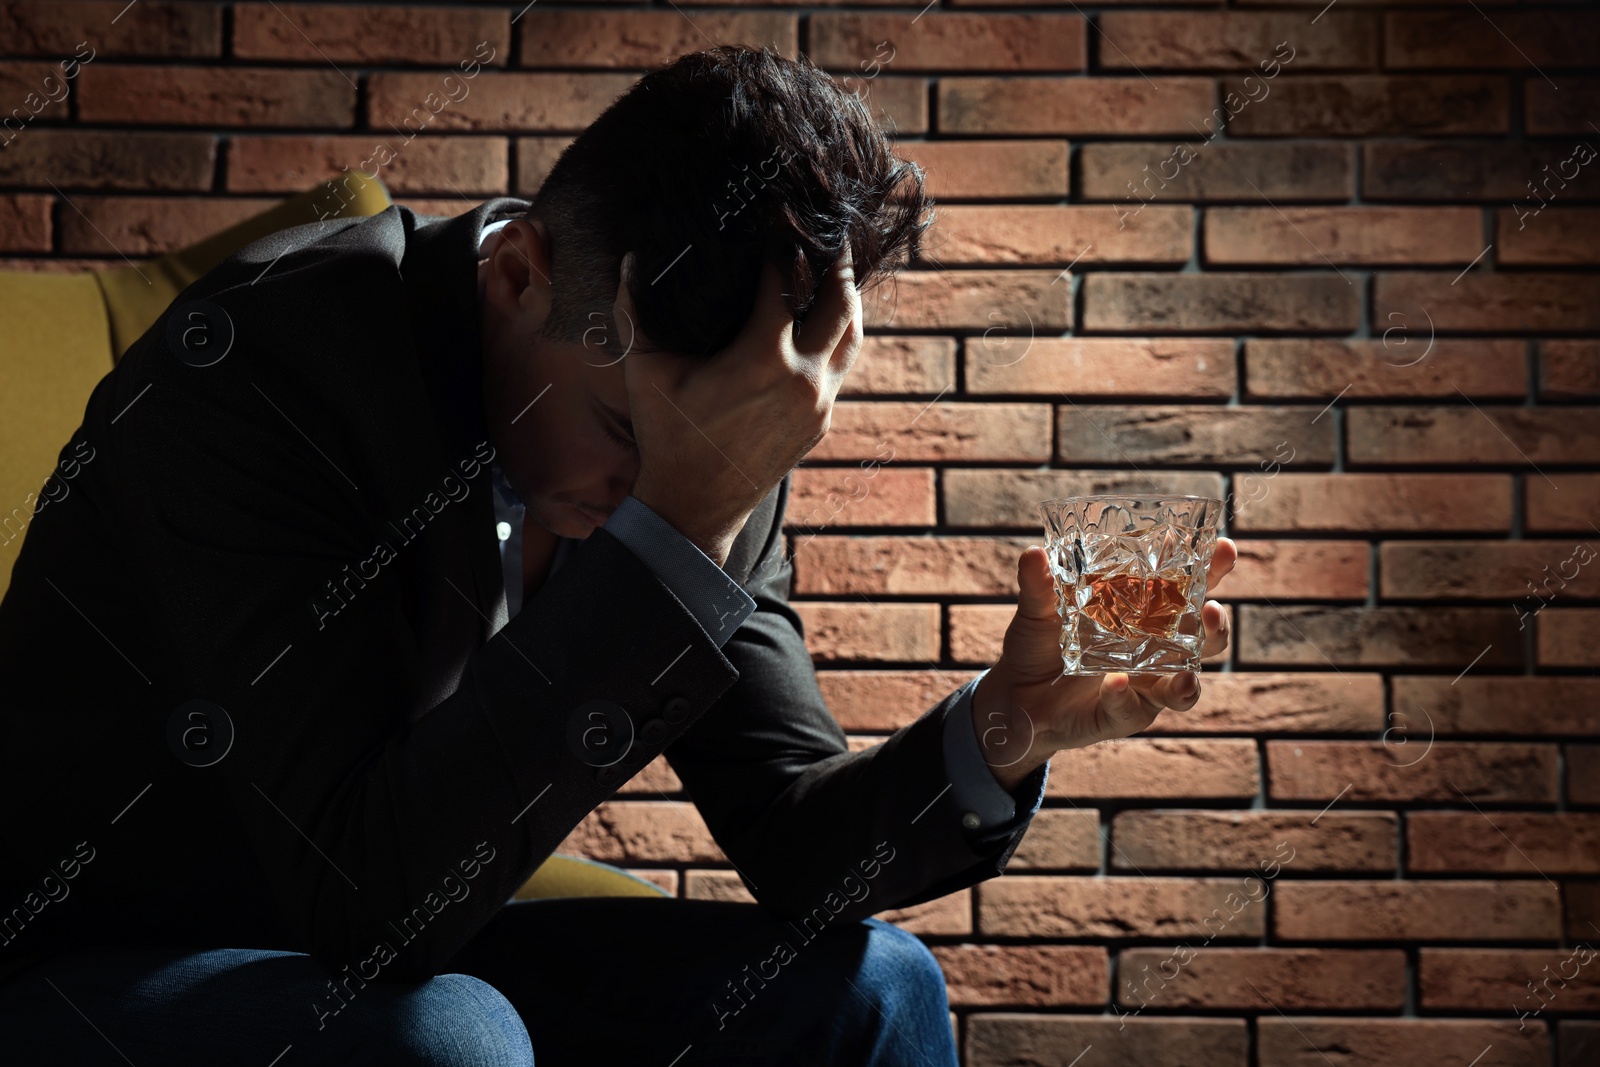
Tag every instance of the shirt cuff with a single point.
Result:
(984, 803)
(716, 601)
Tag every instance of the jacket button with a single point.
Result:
(609, 777)
(676, 709)
(653, 732)
(599, 732)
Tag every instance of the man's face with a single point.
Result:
(552, 407)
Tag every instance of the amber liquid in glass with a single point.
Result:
(1130, 606)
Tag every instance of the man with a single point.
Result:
(293, 706)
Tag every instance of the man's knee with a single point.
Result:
(898, 966)
(450, 1020)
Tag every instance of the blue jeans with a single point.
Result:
(638, 981)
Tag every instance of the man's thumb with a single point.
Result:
(1036, 589)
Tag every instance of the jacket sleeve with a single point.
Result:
(808, 824)
(389, 835)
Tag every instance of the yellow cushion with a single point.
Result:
(55, 344)
(573, 876)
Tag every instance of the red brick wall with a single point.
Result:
(1349, 312)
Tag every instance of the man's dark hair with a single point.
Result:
(707, 168)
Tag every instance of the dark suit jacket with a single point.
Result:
(393, 775)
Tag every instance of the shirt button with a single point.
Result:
(504, 530)
(970, 820)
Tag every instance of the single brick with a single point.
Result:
(25, 222)
(979, 170)
(110, 159)
(497, 102)
(1417, 911)
(1551, 981)
(1036, 906)
(941, 431)
(1064, 839)
(909, 565)
(1551, 112)
(1515, 436)
(1569, 637)
(1456, 772)
(1244, 702)
(1242, 978)
(644, 39)
(1158, 840)
(1074, 106)
(1377, 637)
(899, 105)
(1582, 909)
(536, 158)
(903, 365)
(1048, 235)
(654, 778)
(906, 633)
(1381, 503)
(820, 497)
(215, 96)
(1569, 369)
(1491, 301)
(1213, 436)
(1563, 502)
(1364, 105)
(1014, 1039)
(1318, 236)
(1165, 768)
(1583, 774)
(1299, 570)
(453, 166)
(1522, 843)
(1019, 302)
(1547, 707)
(34, 91)
(1220, 303)
(667, 880)
(1188, 367)
(1025, 975)
(1199, 168)
(946, 916)
(1579, 1042)
(1514, 40)
(886, 700)
(1483, 170)
(1568, 236)
(1233, 41)
(1010, 498)
(1527, 573)
(643, 831)
(1404, 362)
(171, 30)
(938, 42)
(152, 225)
(465, 38)
(1282, 1042)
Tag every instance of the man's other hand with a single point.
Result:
(1025, 710)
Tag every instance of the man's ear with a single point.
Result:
(519, 258)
